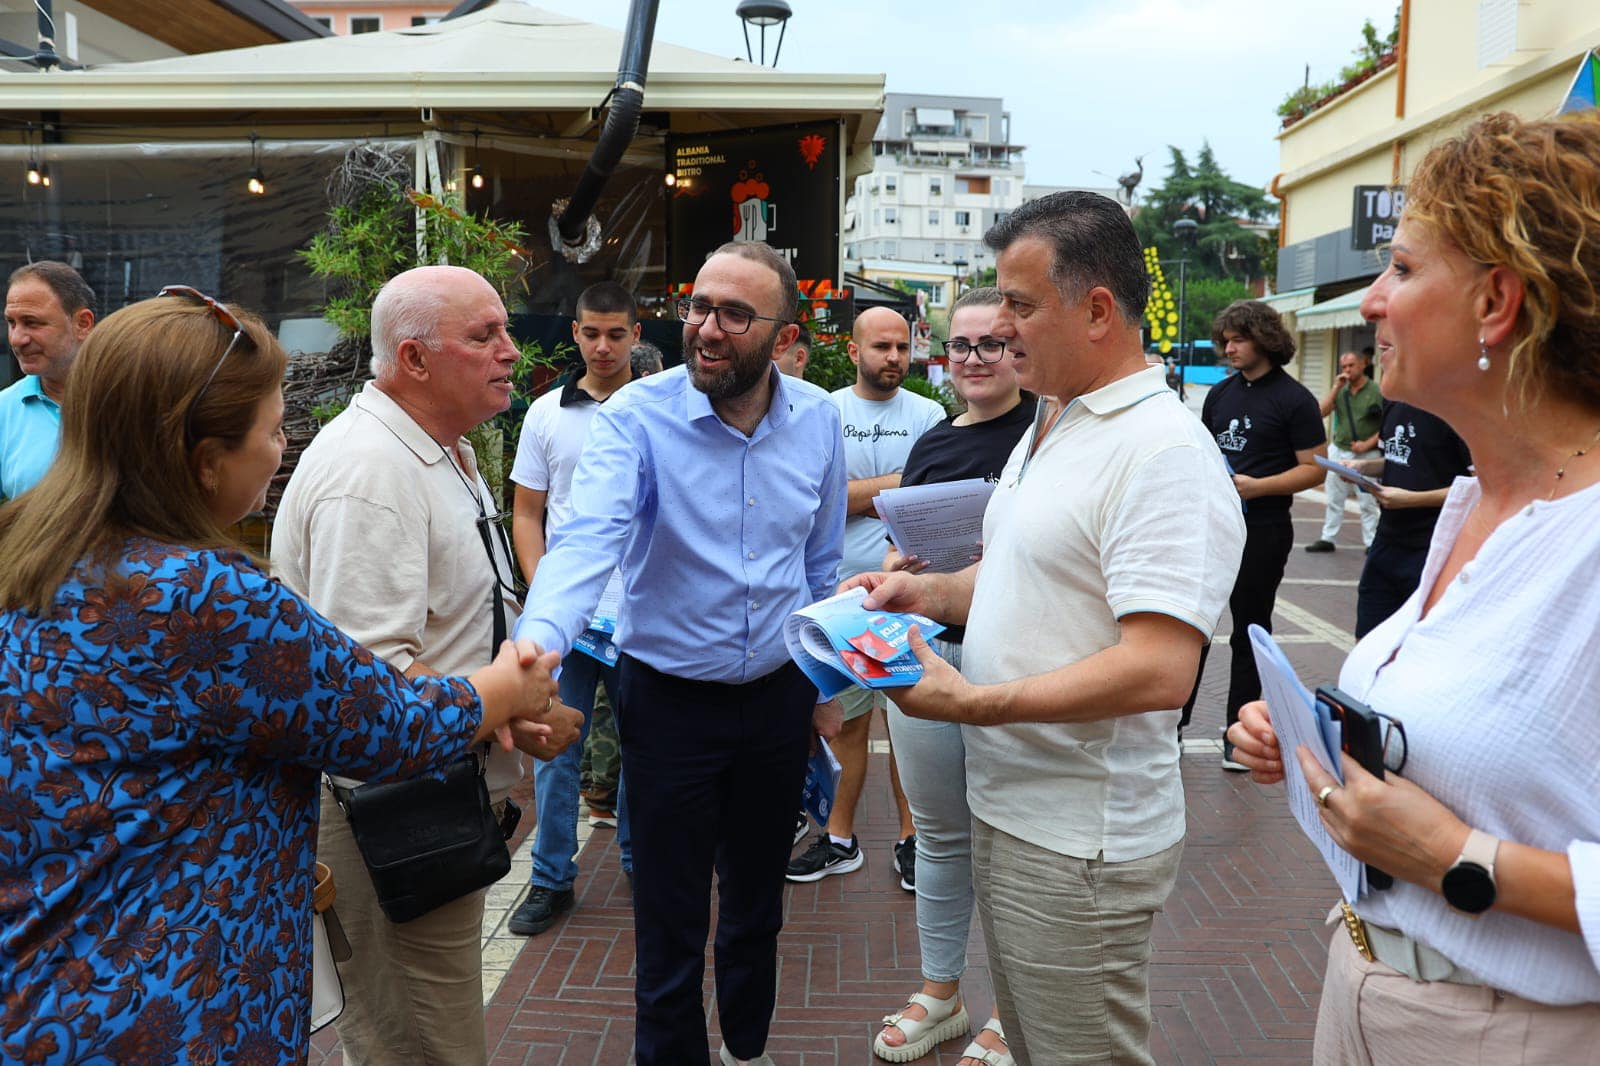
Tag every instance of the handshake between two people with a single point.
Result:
(521, 706)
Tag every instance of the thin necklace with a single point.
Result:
(1579, 454)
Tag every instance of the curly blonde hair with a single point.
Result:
(1525, 195)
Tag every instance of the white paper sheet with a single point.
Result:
(940, 523)
(1296, 721)
(1349, 473)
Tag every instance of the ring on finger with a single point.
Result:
(1324, 793)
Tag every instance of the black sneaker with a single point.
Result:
(824, 858)
(539, 911)
(905, 862)
(802, 822)
(1228, 762)
(1320, 546)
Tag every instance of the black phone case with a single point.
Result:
(1362, 738)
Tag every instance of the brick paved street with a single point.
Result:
(1238, 956)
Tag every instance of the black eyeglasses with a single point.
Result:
(228, 320)
(730, 320)
(989, 349)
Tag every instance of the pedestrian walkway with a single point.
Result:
(1238, 953)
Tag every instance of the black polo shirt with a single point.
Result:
(1420, 452)
(1259, 426)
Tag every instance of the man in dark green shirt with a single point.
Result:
(1357, 409)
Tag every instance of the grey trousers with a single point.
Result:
(1069, 947)
(413, 993)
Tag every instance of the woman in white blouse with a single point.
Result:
(1487, 947)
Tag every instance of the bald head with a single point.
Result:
(410, 306)
(880, 347)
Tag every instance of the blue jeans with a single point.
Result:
(555, 783)
(933, 771)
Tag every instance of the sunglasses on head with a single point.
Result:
(226, 317)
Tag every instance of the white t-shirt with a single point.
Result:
(878, 435)
(553, 432)
(1125, 508)
(378, 531)
(1497, 691)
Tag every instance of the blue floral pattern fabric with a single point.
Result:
(163, 729)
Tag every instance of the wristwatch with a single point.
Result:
(1468, 886)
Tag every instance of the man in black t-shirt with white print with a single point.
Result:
(1269, 429)
(1422, 457)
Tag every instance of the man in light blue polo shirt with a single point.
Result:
(49, 312)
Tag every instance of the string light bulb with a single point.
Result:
(35, 176)
(44, 175)
(257, 183)
(476, 181)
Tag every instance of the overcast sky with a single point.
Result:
(1090, 84)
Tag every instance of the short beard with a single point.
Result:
(885, 380)
(743, 373)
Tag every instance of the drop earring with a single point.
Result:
(1483, 355)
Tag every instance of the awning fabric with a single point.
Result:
(1341, 312)
(936, 116)
(1291, 301)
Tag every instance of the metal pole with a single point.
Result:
(1183, 325)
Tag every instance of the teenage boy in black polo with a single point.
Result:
(1270, 431)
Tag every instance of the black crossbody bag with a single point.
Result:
(429, 841)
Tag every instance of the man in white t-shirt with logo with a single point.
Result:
(552, 439)
(881, 422)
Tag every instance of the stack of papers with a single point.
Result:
(822, 783)
(596, 641)
(1298, 719)
(838, 643)
(941, 524)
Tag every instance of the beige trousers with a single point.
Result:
(1069, 947)
(414, 992)
(1374, 1015)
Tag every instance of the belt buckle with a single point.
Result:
(1357, 930)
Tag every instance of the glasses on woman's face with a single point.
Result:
(228, 320)
(730, 320)
(988, 349)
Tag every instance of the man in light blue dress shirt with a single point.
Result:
(49, 313)
(719, 487)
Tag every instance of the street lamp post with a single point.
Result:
(1184, 229)
(960, 265)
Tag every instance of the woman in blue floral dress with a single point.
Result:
(167, 707)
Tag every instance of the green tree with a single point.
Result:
(1224, 247)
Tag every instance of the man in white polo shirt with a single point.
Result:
(1110, 546)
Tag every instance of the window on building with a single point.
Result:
(935, 186)
(424, 20)
(891, 249)
(933, 216)
(890, 183)
(877, 217)
(325, 21)
(963, 218)
(366, 24)
(1002, 186)
(891, 216)
(973, 184)
(938, 250)
(936, 296)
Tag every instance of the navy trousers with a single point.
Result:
(713, 771)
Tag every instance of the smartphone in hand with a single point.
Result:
(1363, 735)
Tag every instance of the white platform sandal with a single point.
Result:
(943, 1021)
(989, 1056)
